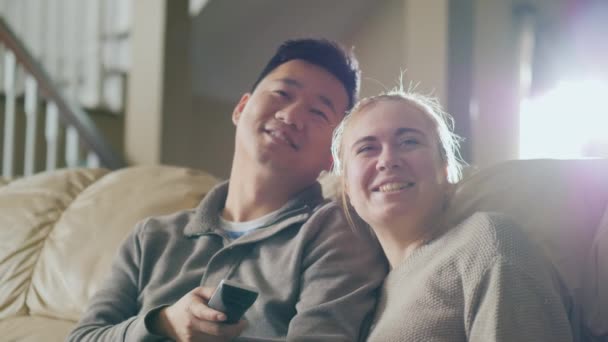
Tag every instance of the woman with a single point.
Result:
(475, 280)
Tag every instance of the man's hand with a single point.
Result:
(190, 319)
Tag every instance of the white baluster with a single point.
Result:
(51, 134)
(71, 147)
(9, 114)
(2, 49)
(93, 160)
(31, 115)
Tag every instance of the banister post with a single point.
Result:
(159, 96)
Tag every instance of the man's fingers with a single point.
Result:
(223, 329)
(203, 292)
(199, 308)
(201, 311)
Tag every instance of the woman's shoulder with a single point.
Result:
(480, 222)
(498, 235)
(490, 225)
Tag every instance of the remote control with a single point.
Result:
(233, 299)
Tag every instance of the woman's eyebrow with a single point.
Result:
(404, 130)
(367, 138)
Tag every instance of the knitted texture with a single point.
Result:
(483, 280)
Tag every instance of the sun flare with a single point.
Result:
(570, 121)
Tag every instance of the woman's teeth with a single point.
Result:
(391, 187)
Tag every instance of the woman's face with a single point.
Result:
(393, 168)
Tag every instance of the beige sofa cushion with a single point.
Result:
(29, 209)
(60, 230)
(34, 329)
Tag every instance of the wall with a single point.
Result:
(379, 45)
(213, 142)
(406, 37)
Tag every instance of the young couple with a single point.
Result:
(318, 278)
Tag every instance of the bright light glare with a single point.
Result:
(562, 122)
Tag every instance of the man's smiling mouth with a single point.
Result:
(277, 134)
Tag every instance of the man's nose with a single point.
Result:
(292, 115)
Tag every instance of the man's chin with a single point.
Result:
(289, 172)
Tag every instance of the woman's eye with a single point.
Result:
(364, 149)
(409, 142)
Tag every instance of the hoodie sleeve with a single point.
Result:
(341, 273)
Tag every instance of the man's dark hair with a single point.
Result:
(323, 53)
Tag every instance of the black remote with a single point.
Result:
(233, 299)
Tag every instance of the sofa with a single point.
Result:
(60, 230)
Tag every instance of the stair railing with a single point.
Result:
(81, 134)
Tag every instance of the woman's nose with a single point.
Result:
(388, 160)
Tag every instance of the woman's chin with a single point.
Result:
(389, 214)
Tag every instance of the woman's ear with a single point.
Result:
(345, 187)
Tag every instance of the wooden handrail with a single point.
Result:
(69, 114)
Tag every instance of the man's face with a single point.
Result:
(286, 124)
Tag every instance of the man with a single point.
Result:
(266, 228)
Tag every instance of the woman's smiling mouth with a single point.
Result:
(394, 186)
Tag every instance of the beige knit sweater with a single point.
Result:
(483, 280)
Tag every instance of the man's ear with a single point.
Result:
(240, 106)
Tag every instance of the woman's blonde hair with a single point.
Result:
(449, 142)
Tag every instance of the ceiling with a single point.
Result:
(233, 39)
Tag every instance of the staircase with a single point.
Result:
(41, 129)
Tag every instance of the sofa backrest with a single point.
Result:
(59, 231)
(563, 206)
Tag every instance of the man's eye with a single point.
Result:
(282, 93)
(320, 114)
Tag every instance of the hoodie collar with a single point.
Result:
(207, 214)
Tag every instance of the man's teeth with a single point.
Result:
(390, 187)
(281, 136)
(278, 135)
